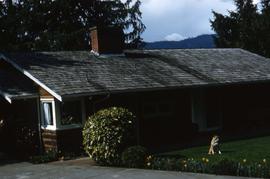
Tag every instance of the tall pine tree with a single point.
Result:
(30, 25)
(246, 28)
(265, 28)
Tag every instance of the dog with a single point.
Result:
(214, 146)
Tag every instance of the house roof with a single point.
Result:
(14, 85)
(81, 72)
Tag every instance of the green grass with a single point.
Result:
(253, 150)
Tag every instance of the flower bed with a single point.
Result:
(205, 165)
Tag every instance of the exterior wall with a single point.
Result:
(20, 133)
(44, 94)
(246, 109)
(58, 137)
(49, 140)
(242, 109)
(62, 140)
(156, 130)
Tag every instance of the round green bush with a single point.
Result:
(134, 157)
(107, 133)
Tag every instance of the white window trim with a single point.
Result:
(57, 115)
(48, 127)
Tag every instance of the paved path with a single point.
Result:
(81, 170)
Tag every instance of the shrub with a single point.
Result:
(107, 133)
(261, 169)
(134, 157)
(226, 167)
(49, 156)
(26, 140)
(220, 167)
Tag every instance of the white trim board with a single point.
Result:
(26, 73)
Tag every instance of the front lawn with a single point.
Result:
(248, 158)
(251, 150)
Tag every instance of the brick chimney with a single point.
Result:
(107, 40)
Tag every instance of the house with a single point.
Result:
(175, 93)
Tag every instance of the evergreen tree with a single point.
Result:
(63, 24)
(245, 28)
(265, 28)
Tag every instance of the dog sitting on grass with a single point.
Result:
(214, 146)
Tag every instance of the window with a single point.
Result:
(48, 114)
(157, 110)
(71, 112)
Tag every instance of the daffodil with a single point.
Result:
(203, 159)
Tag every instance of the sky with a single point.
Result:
(180, 19)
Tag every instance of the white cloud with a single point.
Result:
(174, 37)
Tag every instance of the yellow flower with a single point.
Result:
(264, 160)
(148, 164)
(244, 160)
(207, 160)
(184, 161)
(185, 165)
(203, 159)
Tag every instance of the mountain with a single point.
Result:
(202, 41)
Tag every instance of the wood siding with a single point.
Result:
(69, 140)
(44, 94)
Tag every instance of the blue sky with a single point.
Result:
(180, 19)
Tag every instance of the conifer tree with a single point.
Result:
(31, 25)
(246, 28)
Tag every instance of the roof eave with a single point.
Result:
(6, 96)
(26, 73)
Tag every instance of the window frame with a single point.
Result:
(43, 126)
(83, 115)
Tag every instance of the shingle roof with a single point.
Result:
(14, 85)
(79, 72)
(219, 66)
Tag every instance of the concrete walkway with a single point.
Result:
(80, 169)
